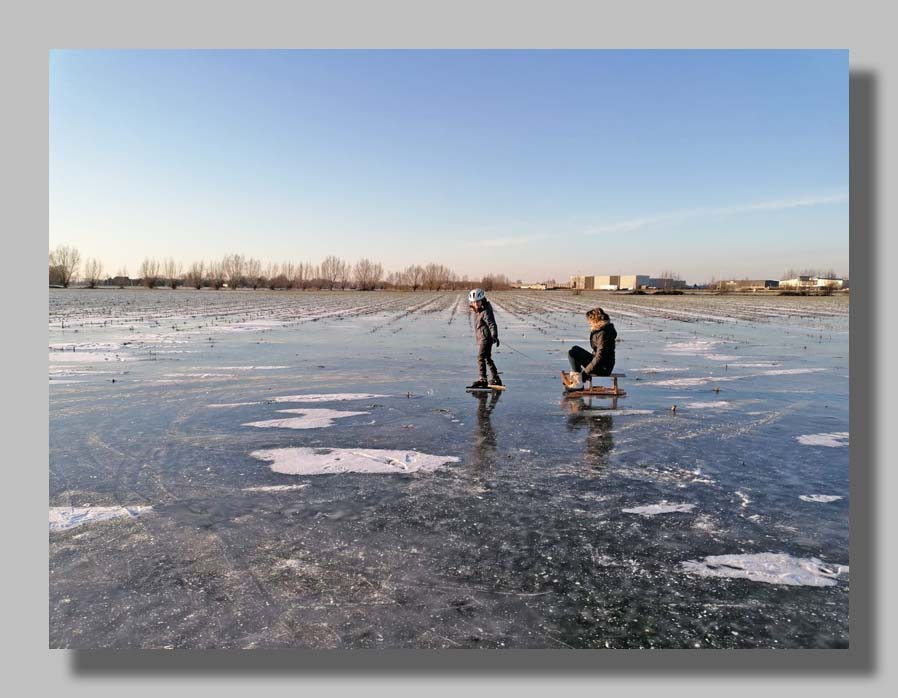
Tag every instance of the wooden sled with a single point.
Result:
(598, 390)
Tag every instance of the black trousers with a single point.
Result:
(578, 358)
(484, 359)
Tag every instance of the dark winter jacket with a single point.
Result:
(602, 341)
(485, 329)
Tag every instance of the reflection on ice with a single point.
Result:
(822, 498)
(771, 568)
(318, 461)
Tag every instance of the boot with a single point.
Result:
(574, 382)
(496, 381)
(480, 383)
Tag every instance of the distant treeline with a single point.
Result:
(236, 271)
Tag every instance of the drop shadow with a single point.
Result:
(859, 659)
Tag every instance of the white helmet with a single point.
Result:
(477, 294)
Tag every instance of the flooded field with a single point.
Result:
(242, 469)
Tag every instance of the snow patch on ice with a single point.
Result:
(275, 488)
(660, 508)
(234, 404)
(695, 346)
(311, 418)
(834, 440)
(791, 371)
(688, 382)
(65, 518)
(770, 568)
(327, 397)
(716, 405)
(319, 461)
(822, 498)
(83, 357)
(613, 413)
(251, 368)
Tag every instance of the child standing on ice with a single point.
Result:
(486, 334)
(598, 362)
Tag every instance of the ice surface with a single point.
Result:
(660, 508)
(327, 397)
(319, 461)
(823, 498)
(65, 518)
(311, 419)
(770, 568)
(495, 543)
(834, 440)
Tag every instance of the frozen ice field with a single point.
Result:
(289, 469)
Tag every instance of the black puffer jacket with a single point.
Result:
(602, 341)
(485, 329)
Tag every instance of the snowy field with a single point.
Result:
(243, 469)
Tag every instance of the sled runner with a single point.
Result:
(589, 390)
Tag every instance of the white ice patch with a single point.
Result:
(320, 461)
(613, 413)
(695, 346)
(770, 568)
(198, 375)
(760, 364)
(234, 404)
(834, 440)
(656, 369)
(275, 488)
(717, 405)
(311, 419)
(791, 371)
(64, 518)
(721, 357)
(660, 508)
(86, 346)
(84, 357)
(327, 397)
(822, 498)
(251, 368)
(689, 382)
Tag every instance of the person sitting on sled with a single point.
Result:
(599, 362)
(486, 334)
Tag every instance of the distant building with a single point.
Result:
(667, 283)
(813, 283)
(632, 282)
(583, 282)
(610, 282)
(750, 284)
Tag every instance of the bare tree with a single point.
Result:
(149, 272)
(330, 270)
(172, 272)
(344, 272)
(413, 274)
(254, 273)
(272, 271)
(93, 272)
(195, 275)
(64, 262)
(216, 275)
(367, 274)
(233, 266)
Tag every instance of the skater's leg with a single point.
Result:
(483, 355)
(578, 357)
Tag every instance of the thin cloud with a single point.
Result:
(632, 224)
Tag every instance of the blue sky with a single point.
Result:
(535, 164)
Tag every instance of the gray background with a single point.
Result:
(33, 28)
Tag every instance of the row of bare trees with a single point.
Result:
(235, 271)
(815, 273)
